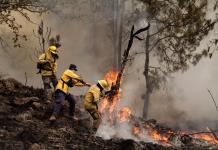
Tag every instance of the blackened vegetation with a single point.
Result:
(24, 125)
(175, 137)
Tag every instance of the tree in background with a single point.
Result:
(8, 11)
(177, 29)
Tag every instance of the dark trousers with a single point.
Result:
(60, 97)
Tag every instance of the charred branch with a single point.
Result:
(115, 88)
(213, 100)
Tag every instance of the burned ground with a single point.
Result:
(24, 125)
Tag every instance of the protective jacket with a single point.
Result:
(49, 64)
(69, 79)
(92, 97)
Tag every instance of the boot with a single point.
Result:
(52, 118)
(75, 118)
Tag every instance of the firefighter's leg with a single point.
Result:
(47, 87)
(97, 121)
(72, 103)
(59, 101)
(96, 116)
(54, 81)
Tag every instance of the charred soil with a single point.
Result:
(24, 125)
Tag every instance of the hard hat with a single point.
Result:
(104, 84)
(73, 67)
(53, 49)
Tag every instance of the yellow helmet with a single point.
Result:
(53, 49)
(104, 84)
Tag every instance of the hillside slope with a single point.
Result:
(24, 124)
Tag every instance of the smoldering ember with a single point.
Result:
(100, 74)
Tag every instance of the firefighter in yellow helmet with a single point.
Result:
(92, 97)
(68, 79)
(47, 66)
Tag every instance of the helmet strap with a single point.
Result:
(100, 87)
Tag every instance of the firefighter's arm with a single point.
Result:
(96, 96)
(55, 68)
(78, 81)
(42, 58)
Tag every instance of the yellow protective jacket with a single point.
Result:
(47, 57)
(92, 97)
(69, 79)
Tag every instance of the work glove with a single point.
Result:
(88, 84)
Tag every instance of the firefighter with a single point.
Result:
(47, 66)
(92, 98)
(68, 79)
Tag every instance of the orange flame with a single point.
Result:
(124, 114)
(157, 137)
(111, 78)
(210, 139)
(103, 105)
(136, 131)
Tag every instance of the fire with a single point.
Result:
(124, 114)
(164, 138)
(108, 108)
(156, 136)
(114, 103)
(136, 131)
(106, 104)
(207, 138)
(111, 77)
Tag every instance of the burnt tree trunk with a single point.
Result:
(115, 87)
(147, 78)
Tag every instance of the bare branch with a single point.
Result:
(213, 100)
(161, 30)
(202, 132)
(159, 40)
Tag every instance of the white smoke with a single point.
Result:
(188, 95)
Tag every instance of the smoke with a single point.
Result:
(182, 103)
(93, 60)
(108, 131)
(184, 97)
(189, 89)
(87, 44)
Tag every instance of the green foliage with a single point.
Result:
(179, 26)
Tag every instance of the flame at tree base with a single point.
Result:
(116, 120)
